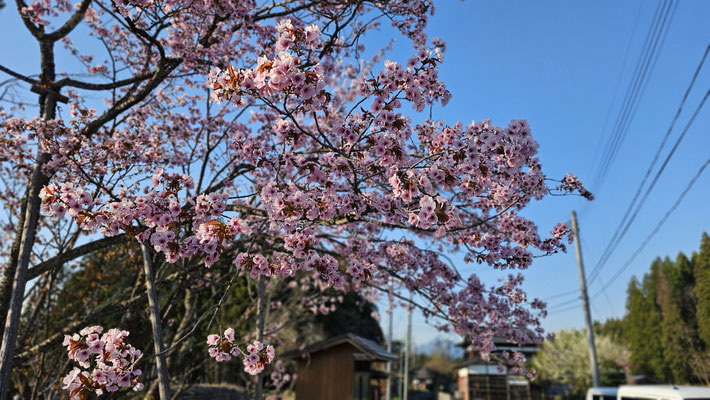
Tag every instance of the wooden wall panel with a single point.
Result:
(330, 375)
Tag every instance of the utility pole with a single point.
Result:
(400, 364)
(405, 382)
(585, 301)
(388, 389)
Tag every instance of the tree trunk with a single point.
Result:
(7, 350)
(8, 272)
(179, 333)
(48, 103)
(260, 333)
(154, 310)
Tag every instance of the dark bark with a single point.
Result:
(8, 272)
(29, 229)
(62, 258)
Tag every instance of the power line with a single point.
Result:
(615, 239)
(645, 63)
(655, 179)
(615, 93)
(565, 303)
(595, 308)
(608, 301)
(568, 292)
(631, 94)
(634, 76)
(558, 295)
(559, 311)
(643, 85)
(657, 227)
(623, 68)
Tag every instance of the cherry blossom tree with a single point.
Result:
(105, 288)
(257, 132)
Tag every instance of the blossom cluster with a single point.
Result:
(162, 212)
(258, 357)
(223, 348)
(320, 304)
(561, 230)
(107, 362)
(417, 80)
(571, 184)
(39, 9)
(289, 71)
(279, 377)
(290, 35)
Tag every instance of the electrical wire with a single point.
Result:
(646, 63)
(616, 238)
(559, 311)
(655, 179)
(558, 295)
(656, 228)
(621, 71)
(642, 56)
(588, 205)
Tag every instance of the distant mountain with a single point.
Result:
(441, 345)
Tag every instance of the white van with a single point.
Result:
(602, 393)
(662, 392)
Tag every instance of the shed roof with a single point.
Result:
(370, 349)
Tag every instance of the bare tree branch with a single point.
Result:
(34, 30)
(103, 86)
(74, 253)
(79, 323)
(18, 75)
(71, 22)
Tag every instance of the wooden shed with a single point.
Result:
(347, 367)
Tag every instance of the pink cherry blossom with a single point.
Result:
(108, 362)
(266, 138)
(256, 358)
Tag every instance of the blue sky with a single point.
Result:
(557, 64)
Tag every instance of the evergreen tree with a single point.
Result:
(613, 328)
(701, 272)
(685, 292)
(644, 334)
(667, 321)
(673, 326)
